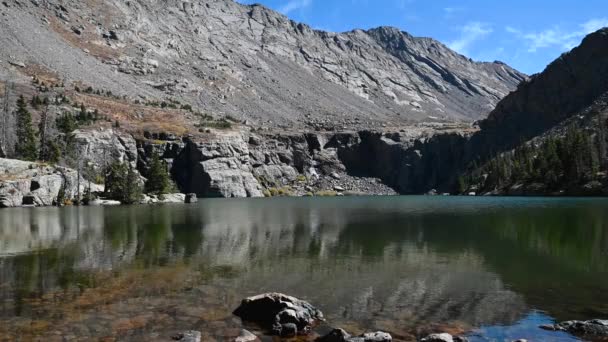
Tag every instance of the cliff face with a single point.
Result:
(249, 62)
(246, 164)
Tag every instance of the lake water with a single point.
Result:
(494, 268)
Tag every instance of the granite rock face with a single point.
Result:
(100, 148)
(252, 62)
(26, 183)
(217, 166)
(246, 164)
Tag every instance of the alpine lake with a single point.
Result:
(490, 268)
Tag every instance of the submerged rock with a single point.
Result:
(592, 328)
(246, 336)
(281, 314)
(445, 337)
(188, 336)
(339, 335)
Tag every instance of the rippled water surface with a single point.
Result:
(494, 268)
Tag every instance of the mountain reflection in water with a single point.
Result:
(399, 264)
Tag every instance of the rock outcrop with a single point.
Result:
(217, 166)
(246, 164)
(281, 314)
(99, 148)
(27, 183)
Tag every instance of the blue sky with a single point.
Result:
(526, 34)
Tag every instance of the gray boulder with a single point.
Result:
(188, 336)
(281, 314)
(104, 202)
(191, 198)
(246, 336)
(445, 337)
(172, 198)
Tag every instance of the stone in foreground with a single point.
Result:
(592, 328)
(188, 336)
(339, 335)
(281, 314)
(246, 336)
(443, 338)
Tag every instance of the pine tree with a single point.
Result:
(25, 148)
(462, 184)
(553, 167)
(122, 183)
(36, 102)
(82, 115)
(133, 191)
(53, 152)
(66, 124)
(115, 179)
(158, 179)
(42, 134)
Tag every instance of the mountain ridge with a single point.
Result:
(252, 62)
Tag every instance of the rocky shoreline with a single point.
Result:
(287, 317)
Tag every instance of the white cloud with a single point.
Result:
(593, 25)
(469, 34)
(556, 36)
(449, 12)
(294, 5)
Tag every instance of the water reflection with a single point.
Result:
(386, 263)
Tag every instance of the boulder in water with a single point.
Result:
(593, 328)
(188, 336)
(281, 314)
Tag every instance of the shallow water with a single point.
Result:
(494, 268)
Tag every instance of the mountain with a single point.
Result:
(550, 135)
(239, 101)
(570, 85)
(247, 62)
